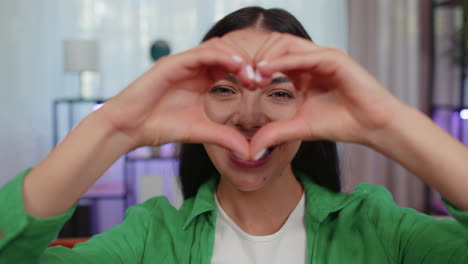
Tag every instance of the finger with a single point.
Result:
(246, 74)
(209, 57)
(227, 46)
(222, 135)
(188, 65)
(213, 58)
(319, 62)
(218, 73)
(280, 44)
(276, 133)
(269, 42)
(283, 44)
(262, 80)
(304, 81)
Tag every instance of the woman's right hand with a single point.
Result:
(165, 104)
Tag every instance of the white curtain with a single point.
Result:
(384, 36)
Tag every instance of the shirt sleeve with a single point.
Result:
(413, 237)
(459, 215)
(25, 239)
(124, 243)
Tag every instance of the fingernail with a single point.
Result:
(258, 76)
(237, 58)
(250, 72)
(260, 154)
(262, 63)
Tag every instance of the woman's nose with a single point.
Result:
(249, 117)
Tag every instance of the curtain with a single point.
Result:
(384, 36)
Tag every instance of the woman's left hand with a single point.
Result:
(343, 102)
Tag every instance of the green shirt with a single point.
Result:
(363, 227)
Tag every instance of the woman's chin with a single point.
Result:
(247, 182)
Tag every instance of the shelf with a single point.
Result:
(79, 100)
(448, 3)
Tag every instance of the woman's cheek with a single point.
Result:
(279, 111)
(219, 111)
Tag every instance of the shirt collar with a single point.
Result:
(320, 201)
(203, 203)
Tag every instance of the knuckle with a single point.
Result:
(215, 38)
(276, 34)
(338, 52)
(217, 41)
(212, 41)
(166, 59)
(162, 60)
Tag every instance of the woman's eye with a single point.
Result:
(221, 91)
(282, 95)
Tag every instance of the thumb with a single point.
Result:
(275, 133)
(222, 135)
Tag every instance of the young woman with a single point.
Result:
(266, 103)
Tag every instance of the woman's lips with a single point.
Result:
(251, 164)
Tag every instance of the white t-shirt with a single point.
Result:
(287, 245)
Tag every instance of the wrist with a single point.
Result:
(403, 123)
(108, 133)
(73, 166)
(427, 151)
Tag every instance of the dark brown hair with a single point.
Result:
(317, 159)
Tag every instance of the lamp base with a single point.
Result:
(90, 85)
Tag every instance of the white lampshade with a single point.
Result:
(80, 55)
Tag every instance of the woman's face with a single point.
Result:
(228, 103)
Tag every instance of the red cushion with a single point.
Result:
(68, 242)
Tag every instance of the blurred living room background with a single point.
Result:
(62, 59)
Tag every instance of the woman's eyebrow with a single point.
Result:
(282, 79)
(231, 78)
